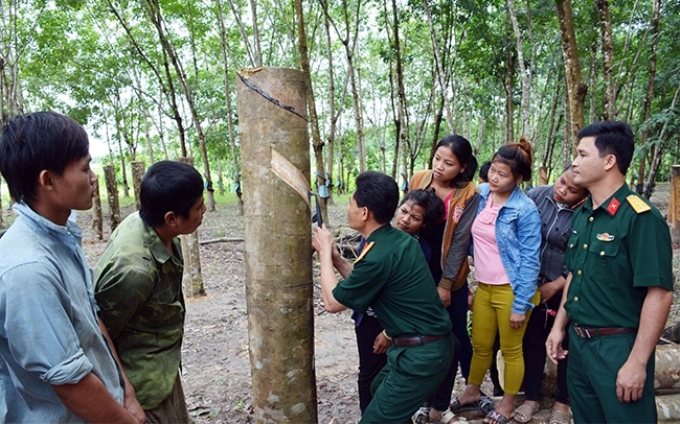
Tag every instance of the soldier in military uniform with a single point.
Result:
(392, 277)
(138, 286)
(619, 290)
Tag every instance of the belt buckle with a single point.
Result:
(582, 332)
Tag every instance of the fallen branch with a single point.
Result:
(223, 240)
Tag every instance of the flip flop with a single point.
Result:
(495, 417)
(524, 413)
(422, 415)
(456, 406)
(485, 404)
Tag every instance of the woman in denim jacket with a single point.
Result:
(556, 204)
(506, 236)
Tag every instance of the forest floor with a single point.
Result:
(216, 367)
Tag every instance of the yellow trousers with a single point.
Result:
(491, 314)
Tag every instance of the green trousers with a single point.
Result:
(410, 376)
(591, 380)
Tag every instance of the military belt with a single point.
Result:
(590, 332)
(417, 340)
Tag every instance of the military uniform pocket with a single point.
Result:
(603, 260)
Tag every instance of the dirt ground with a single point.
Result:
(216, 367)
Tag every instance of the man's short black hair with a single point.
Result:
(168, 186)
(612, 138)
(35, 142)
(379, 193)
(484, 171)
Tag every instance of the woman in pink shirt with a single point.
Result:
(506, 236)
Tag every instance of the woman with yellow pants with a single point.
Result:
(506, 236)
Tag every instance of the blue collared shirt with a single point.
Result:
(518, 232)
(49, 332)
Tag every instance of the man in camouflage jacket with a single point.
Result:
(138, 286)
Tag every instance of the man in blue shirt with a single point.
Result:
(56, 359)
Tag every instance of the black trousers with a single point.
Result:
(370, 364)
(539, 326)
(441, 398)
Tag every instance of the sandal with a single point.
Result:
(495, 417)
(456, 406)
(486, 404)
(447, 417)
(557, 417)
(422, 415)
(524, 413)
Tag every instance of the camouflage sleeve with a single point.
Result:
(120, 290)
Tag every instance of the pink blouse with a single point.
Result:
(488, 265)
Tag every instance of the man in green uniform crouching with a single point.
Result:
(392, 277)
(138, 286)
(619, 290)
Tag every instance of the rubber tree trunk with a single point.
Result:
(673, 215)
(279, 288)
(542, 175)
(137, 174)
(572, 66)
(112, 191)
(192, 278)
(97, 220)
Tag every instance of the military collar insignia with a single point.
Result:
(364, 251)
(605, 237)
(613, 206)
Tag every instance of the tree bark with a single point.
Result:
(524, 72)
(97, 219)
(673, 214)
(509, 84)
(244, 33)
(568, 149)
(112, 192)
(154, 11)
(546, 163)
(349, 43)
(317, 143)
(394, 108)
(666, 362)
(279, 287)
(592, 80)
(137, 174)
(256, 34)
(441, 75)
(149, 143)
(572, 67)
(11, 95)
(649, 95)
(608, 59)
(402, 126)
(123, 170)
(333, 112)
(161, 131)
(227, 98)
(192, 277)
